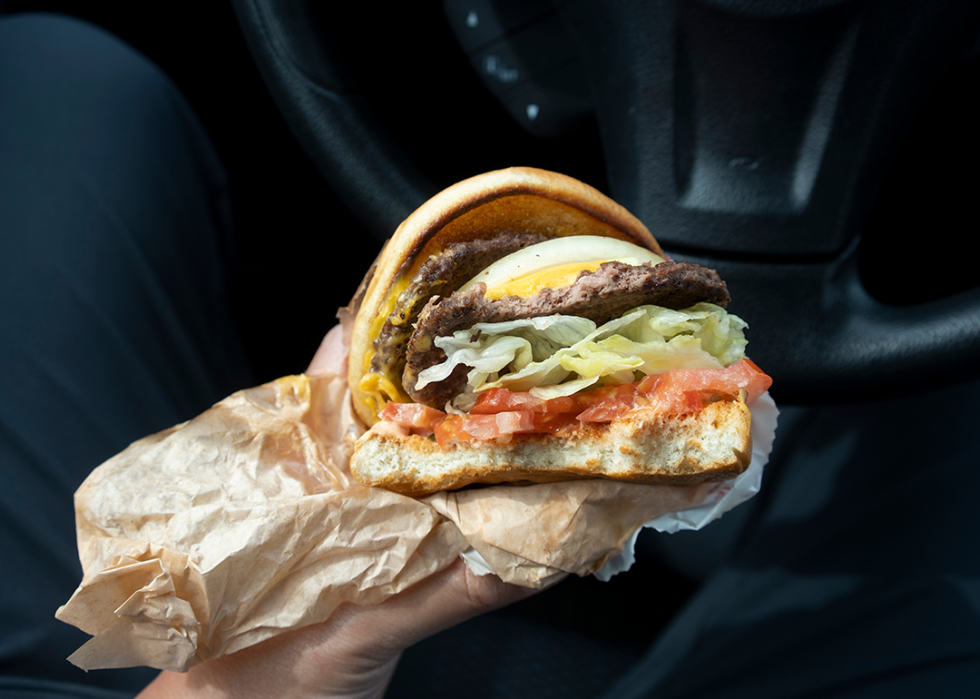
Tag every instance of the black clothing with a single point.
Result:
(114, 243)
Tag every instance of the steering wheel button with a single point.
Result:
(499, 67)
(536, 49)
(478, 22)
(543, 108)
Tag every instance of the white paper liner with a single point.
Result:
(722, 498)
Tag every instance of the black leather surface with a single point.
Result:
(330, 119)
(750, 136)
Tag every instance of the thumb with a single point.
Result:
(331, 355)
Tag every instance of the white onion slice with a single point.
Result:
(562, 251)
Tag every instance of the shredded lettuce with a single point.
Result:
(559, 355)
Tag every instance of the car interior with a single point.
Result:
(819, 153)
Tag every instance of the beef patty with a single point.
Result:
(456, 264)
(607, 293)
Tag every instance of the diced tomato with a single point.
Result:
(742, 375)
(756, 381)
(500, 412)
(489, 427)
(553, 423)
(481, 427)
(485, 428)
(495, 400)
(668, 395)
(451, 430)
(414, 416)
(610, 405)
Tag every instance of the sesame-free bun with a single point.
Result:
(519, 199)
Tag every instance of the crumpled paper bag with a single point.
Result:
(245, 522)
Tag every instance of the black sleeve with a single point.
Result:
(114, 242)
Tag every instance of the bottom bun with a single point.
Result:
(653, 448)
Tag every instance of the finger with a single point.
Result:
(353, 653)
(433, 605)
(331, 356)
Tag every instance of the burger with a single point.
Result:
(522, 327)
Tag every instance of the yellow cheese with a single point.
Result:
(556, 263)
(377, 390)
(557, 277)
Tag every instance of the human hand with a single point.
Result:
(331, 355)
(355, 652)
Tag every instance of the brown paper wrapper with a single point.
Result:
(245, 522)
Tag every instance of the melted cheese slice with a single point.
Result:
(557, 277)
(556, 264)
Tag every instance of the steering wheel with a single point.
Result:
(749, 135)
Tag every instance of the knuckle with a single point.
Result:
(485, 593)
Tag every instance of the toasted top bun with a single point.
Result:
(517, 199)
